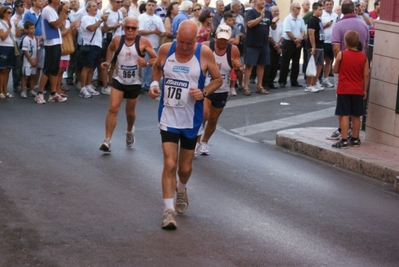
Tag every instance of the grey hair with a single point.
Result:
(130, 18)
(88, 3)
(219, 1)
(235, 2)
(293, 5)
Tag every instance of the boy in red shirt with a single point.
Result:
(353, 69)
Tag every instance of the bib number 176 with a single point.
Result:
(174, 93)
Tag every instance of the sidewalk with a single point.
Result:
(371, 159)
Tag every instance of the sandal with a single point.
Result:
(261, 91)
(246, 91)
(9, 95)
(69, 82)
(63, 88)
(240, 88)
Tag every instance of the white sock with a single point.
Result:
(181, 186)
(168, 203)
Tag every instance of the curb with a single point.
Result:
(365, 161)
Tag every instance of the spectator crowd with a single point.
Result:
(44, 40)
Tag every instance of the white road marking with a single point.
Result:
(284, 122)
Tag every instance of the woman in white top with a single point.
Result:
(7, 56)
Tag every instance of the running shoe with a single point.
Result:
(318, 86)
(311, 89)
(336, 135)
(91, 90)
(169, 222)
(106, 91)
(23, 94)
(106, 146)
(204, 149)
(39, 98)
(354, 141)
(56, 98)
(340, 144)
(181, 203)
(233, 91)
(327, 84)
(130, 138)
(84, 93)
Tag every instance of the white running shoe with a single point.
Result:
(23, 94)
(130, 139)
(204, 149)
(326, 83)
(56, 98)
(39, 99)
(106, 146)
(233, 91)
(311, 89)
(169, 222)
(78, 86)
(83, 93)
(106, 91)
(91, 90)
(318, 86)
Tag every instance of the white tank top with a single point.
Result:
(177, 108)
(224, 65)
(127, 69)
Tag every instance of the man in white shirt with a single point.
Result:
(92, 33)
(114, 28)
(151, 27)
(52, 45)
(328, 19)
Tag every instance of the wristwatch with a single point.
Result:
(205, 93)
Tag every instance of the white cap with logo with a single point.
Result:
(223, 32)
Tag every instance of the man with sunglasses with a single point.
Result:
(129, 50)
(183, 64)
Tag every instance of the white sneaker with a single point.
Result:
(326, 83)
(23, 94)
(318, 86)
(233, 91)
(36, 87)
(78, 86)
(32, 93)
(130, 139)
(106, 91)
(83, 93)
(91, 90)
(56, 98)
(311, 89)
(39, 99)
(204, 149)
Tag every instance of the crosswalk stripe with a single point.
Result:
(232, 103)
(284, 122)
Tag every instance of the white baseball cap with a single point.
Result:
(223, 32)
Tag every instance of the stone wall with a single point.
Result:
(382, 121)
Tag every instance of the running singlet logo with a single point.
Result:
(181, 69)
(176, 92)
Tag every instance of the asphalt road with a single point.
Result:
(64, 203)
